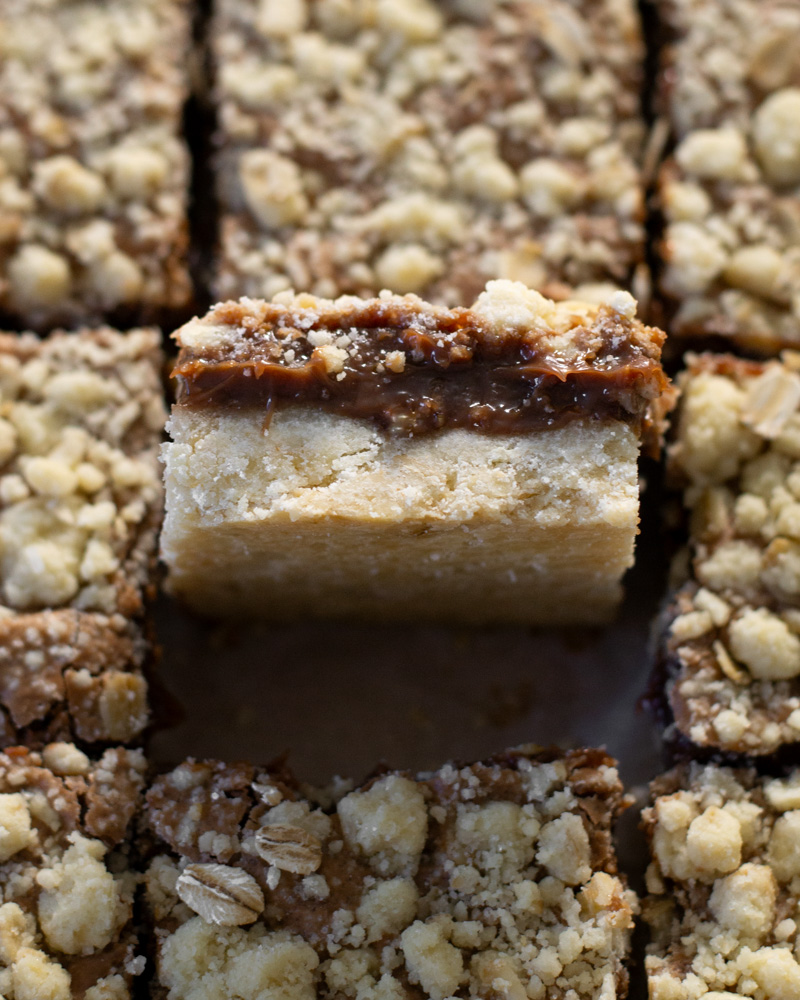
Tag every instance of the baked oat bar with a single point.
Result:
(397, 460)
(730, 192)
(81, 417)
(723, 885)
(731, 639)
(495, 879)
(66, 882)
(93, 169)
(426, 146)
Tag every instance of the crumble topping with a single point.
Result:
(492, 878)
(731, 644)
(92, 206)
(723, 884)
(729, 194)
(66, 893)
(80, 491)
(428, 147)
(69, 674)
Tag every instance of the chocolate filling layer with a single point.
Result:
(415, 371)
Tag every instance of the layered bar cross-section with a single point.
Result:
(730, 647)
(723, 885)
(398, 460)
(93, 168)
(81, 417)
(730, 190)
(492, 879)
(427, 147)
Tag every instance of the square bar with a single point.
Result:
(428, 147)
(395, 460)
(730, 192)
(723, 885)
(93, 169)
(497, 878)
(81, 418)
(730, 649)
(66, 919)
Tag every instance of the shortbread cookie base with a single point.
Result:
(324, 515)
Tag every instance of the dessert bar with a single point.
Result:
(398, 460)
(723, 885)
(81, 417)
(66, 919)
(93, 169)
(493, 879)
(427, 147)
(730, 648)
(730, 191)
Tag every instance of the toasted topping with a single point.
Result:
(289, 848)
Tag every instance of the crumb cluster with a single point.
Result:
(724, 884)
(81, 417)
(427, 147)
(92, 205)
(730, 192)
(66, 889)
(732, 637)
(495, 879)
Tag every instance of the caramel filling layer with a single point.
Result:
(413, 380)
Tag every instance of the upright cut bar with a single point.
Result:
(723, 885)
(66, 919)
(93, 169)
(81, 417)
(398, 460)
(730, 649)
(730, 193)
(426, 146)
(493, 879)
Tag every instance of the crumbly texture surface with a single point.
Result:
(427, 146)
(71, 675)
(495, 879)
(723, 885)
(81, 417)
(66, 885)
(302, 509)
(93, 169)
(731, 643)
(730, 192)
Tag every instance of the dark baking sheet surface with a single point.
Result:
(341, 698)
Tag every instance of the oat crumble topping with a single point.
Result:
(428, 147)
(724, 883)
(494, 879)
(92, 205)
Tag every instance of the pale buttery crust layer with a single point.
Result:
(730, 193)
(428, 146)
(724, 884)
(66, 882)
(80, 504)
(731, 639)
(94, 172)
(489, 880)
(312, 512)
